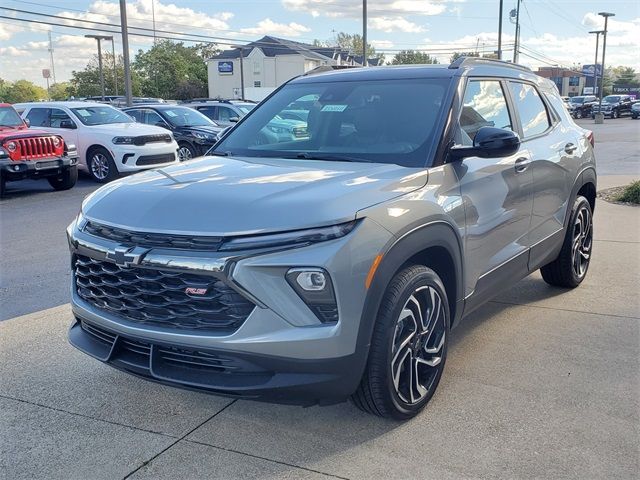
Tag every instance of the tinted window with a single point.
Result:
(224, 114)
(208, 111)
(153, 118)
(362, 121)
(38, 117)
(484, 105)
(531, 109)
(137, 114)
(58, 116)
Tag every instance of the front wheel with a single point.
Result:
(408, 348)
(101, 165)
(186, 152)
(65, 180)
(578, 114)
(570, 267)
(615, 114)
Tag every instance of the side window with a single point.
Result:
(57, 116)
(137, 114)
(153, 118)
(209, 112)
(224, 114)
(38, 117)
(533, 113)
(484, 105)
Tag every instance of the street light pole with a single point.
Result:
(125, 51)
(500, 31)
(99, 38)
(364, 33)
(595, 63)
(600, 116)
(516, 47)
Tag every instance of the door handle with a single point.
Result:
(570, 148)
(522, 164)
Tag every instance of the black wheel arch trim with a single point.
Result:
(586, 175)
(415, 239)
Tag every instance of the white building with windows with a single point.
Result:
(268, 63)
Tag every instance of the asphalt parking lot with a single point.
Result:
(540, 383)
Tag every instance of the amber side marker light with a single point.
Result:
(372, 270)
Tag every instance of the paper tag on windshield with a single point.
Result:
(83, 112)
(334, 108)
(170, 113)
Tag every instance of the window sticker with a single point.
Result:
(83, 112)
(171, 113)
(334, 108)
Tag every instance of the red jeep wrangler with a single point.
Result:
(30, 153)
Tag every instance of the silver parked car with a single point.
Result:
(334, 266)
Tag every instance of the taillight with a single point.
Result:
(591, 139)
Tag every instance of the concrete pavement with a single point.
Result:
(541, 382)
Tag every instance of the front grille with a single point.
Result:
(159, 298)
(36, 147)
(159, 138)
(155, 159)
(152, 240)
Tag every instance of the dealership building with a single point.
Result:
(569, 82)
(264, 65)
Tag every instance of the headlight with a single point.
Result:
(296, 238)
(11, 146)
(204, 136)
(56, 141)
(277, 129)
(123, 140)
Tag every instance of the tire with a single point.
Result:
(65, 180)
(389, 386)
(186, 152)
(3, 186)
(570, 268)
(578, 114)
(101, 166)
(615, 114)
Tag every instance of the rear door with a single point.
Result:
(497, 193)
(554, 149)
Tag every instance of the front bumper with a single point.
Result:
(281, 352)
(133, 158)
(13, 170)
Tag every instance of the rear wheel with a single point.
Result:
(65, 180)
(408, 348)
(570, 267)
(101, 165)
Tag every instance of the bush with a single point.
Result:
(630, 194)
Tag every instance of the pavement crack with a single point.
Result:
(147, 462)
(279, 462)
(35, 404)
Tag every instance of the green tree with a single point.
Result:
(206, 50)
(405, 57)
(625, 76)
(86, 83)
(22, 91)
(168, 68)
(457, 55)
(59, 91)
(350, 42)
(4, 86)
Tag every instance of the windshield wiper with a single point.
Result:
(219, 154)
(329, 158)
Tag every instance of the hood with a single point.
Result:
(233, 196)
(131, 129)
(210, 129)
(17, 132)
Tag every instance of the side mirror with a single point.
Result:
(234, 119)
(68, 124)
(490, 142)
(27, 122)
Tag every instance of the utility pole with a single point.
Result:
(364, 33)
(600, 116)
(242, 73)
(595, 63)
(115, 65)
(500, 31)
(99, 38)
(53, 68)
(125, 51)
(516, 46)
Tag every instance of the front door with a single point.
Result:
(497, 194)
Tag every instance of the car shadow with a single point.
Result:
(31, 188)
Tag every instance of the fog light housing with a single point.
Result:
(314, 287)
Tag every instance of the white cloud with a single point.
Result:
(13, 52)
(269, 27)
(8, 30)
(394, 24)
(382, 44)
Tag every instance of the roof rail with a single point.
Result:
(467, 61)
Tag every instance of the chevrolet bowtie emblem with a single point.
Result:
(127, 256)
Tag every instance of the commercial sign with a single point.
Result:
(587, 70)
(225, 67)
(46, 73)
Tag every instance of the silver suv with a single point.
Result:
(334, 265)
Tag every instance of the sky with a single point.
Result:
(552, 32)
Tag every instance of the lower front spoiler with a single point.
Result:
(233, 374)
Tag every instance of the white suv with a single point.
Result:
(109, 141)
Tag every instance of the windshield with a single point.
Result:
(576, 99)
(185, 117)
(101, 115)
(611, 98)
(368, 121)
(9, 117)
